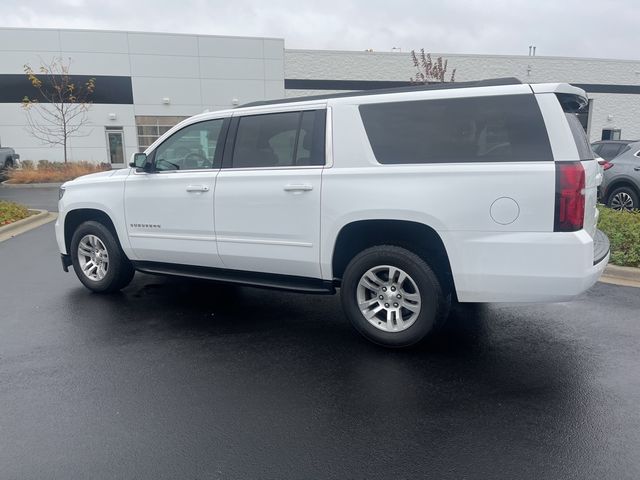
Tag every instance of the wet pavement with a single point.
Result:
(181, 379)
(44, 198)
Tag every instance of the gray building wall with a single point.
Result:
(609, 110)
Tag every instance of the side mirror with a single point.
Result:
(141, 163)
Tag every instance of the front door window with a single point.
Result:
(191, 148)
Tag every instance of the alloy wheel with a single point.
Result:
(93, 257)
(388, 298)
(622, 201)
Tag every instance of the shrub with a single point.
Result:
(54, 172)
(44, 164)
(27, 164)
(623, 230)
(11, 212)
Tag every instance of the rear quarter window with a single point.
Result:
(505, 128)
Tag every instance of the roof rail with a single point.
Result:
(493, 82)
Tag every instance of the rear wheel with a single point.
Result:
(98, 260)
(392, 296)
(623, 198)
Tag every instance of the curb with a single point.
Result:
(26, 224)
(626, 276)
(628, 273)
(30, 185)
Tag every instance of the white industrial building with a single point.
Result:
(147, 82)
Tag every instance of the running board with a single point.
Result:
(252, 279)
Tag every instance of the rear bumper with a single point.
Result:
(528, 267)
(601, 247)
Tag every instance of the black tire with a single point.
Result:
(621, 192)
(119, 272)
(434, 303)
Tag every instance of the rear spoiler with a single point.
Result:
(557, 88)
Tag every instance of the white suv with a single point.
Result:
(403, 198)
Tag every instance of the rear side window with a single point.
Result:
(280, 140)
(610, 150)
(576, 107)
(266, 140)
(505, 128)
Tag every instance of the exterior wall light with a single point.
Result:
(166, 100)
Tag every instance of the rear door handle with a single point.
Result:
(637, 169)
(305, 187)
(197, 188)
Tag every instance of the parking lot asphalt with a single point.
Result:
(181, 379)
(44, 198)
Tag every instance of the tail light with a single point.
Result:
(570, 185)
(606, 165)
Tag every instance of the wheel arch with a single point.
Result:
(417, 237)
(621, 182)
(74, 218)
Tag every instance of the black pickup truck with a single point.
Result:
(8, 158)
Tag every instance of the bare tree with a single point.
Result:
(428, 71)
(60, 102)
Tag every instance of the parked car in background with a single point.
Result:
(620, 188)
(8, 158)
(610, 149)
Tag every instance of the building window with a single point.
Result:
(150, 128)
(610, 134)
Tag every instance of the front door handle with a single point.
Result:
(197, 188)
(305, 187)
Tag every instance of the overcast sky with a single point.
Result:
(584, 28)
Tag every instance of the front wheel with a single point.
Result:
(392, 296)
(98, 260)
